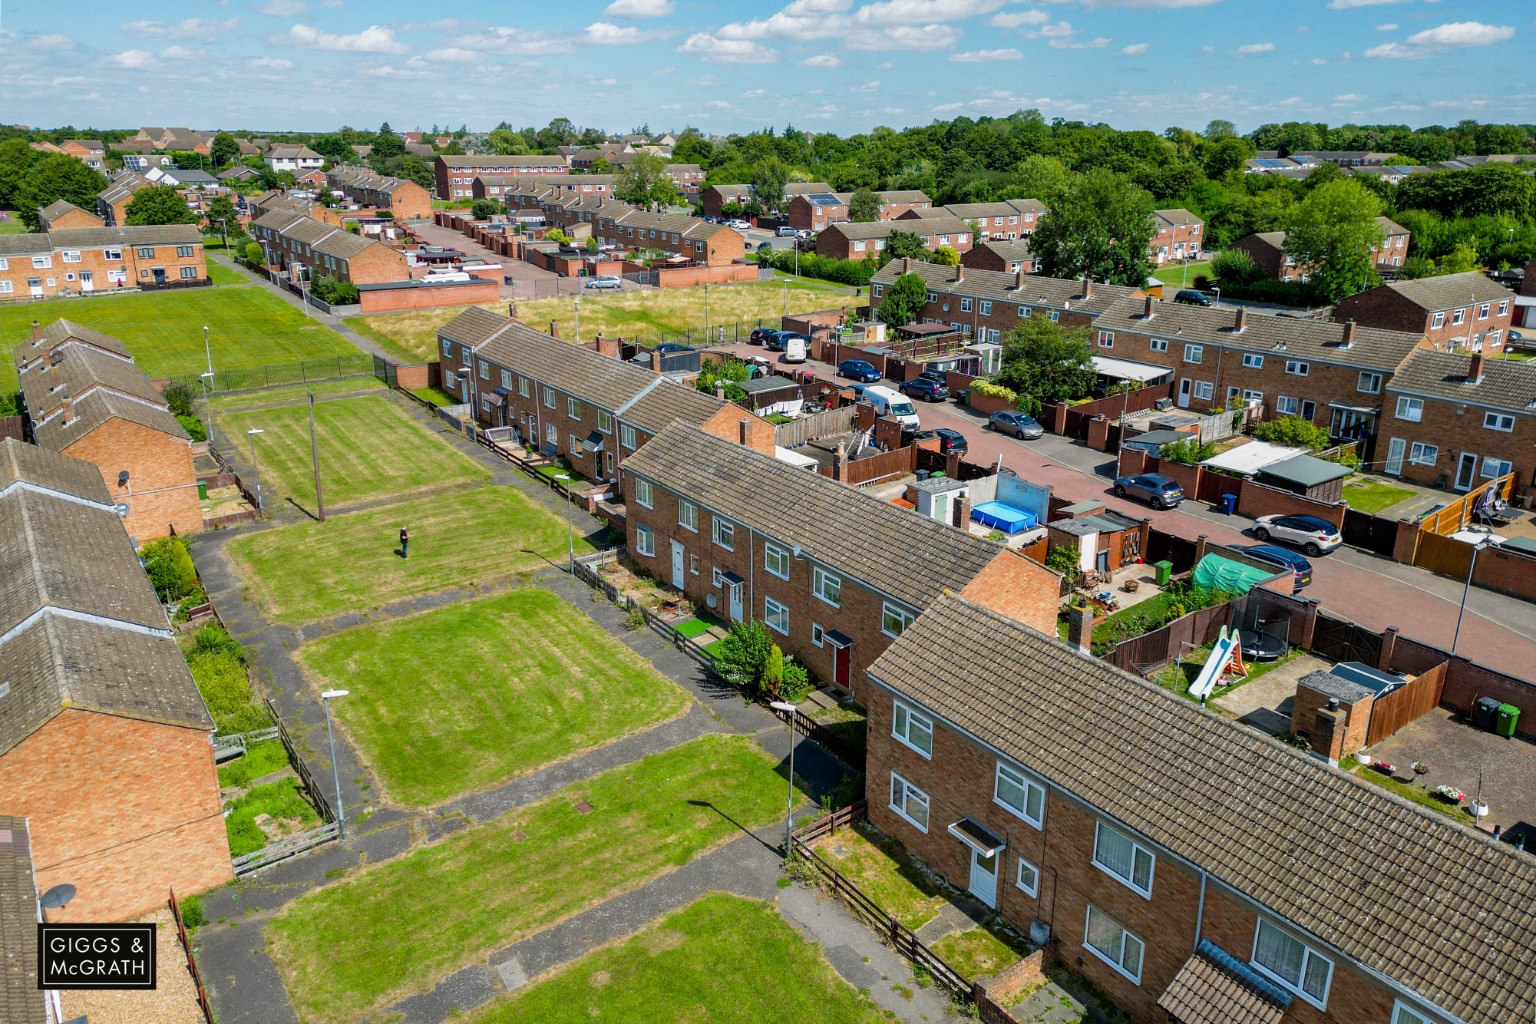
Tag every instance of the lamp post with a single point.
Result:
(578, 319)
(224, 224)
(253, 434)
(1467, 589)
(207, 350)
(570, 532)
(789, 808)
(341, 813)
(207, 379)
(706, 311)
(1218, 295)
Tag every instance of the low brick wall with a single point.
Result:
(995, 991)
(390, 300)
(685, 277)
(1507, 571)
(1261, 500)
(987, 404)
(418, 376)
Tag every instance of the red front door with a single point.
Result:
(841, 661)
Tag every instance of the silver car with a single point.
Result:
(1007, 421)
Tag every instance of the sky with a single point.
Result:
(737, 65)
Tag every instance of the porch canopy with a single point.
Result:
(1126, 369)
(1214, 987)
(978, 837)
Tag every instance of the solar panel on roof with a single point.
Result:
(824, 199)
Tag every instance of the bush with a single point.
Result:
(1187, 453)
(991, 390)
(215, 640)
(253, 253)
(1293, 431)
(170, 568)
(1283, 293)
(178, 398)
(850, 272)
(1237, 267)
(226, 689)
(333, 292)
(796, 682)
(192, 912)
(10, 403)
(743, 656)
(1062, 559)
(193, 426)
(195, 599)
(484, 209)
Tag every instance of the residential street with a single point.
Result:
(1497, 629)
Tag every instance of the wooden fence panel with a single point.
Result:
(1342, 640)
(807, 428)
(1443, 555)
(1151, 651)
(1373, 533)
(878, 467)
(1212, 486)
(1406, 705)
(186, 946)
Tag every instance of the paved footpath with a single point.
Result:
(243, 981)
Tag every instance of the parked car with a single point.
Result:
(949, 440)
(605, 281)
(794, 346)
(738, 224)
(668, 347)
(888, 402)
(860, 370)
(774, 341)
(1519, 340)
(1283, 558)
(1190, 297)
(926, 388)
(759, 335)
(1313, 535)
(785, 232)
(1153, 488)
(938, 375)
(1016, 423)
(803, 234)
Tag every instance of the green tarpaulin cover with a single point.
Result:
(1223, 574)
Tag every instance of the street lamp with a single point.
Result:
(789, 810)
(341, 813)
(224, 224)
(253, 434)
(578, 319)
(1218, 295)
(207, 379)
(1467, 588)
(570, 532)
(207, 351)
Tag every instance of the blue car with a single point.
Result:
(858, 369)
(1285, 559)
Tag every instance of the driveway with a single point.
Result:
(529, 281)
(1373, 591)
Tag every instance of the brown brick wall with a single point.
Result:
(1383, 307)
(1358, 718)
(1260, 500)
(133, 269)
(375, 265)
(1014, 586)
(162, 484)
(74, 219)
(742, 427)
(1455, 428)
(1266, 256)
(121, 809)
(388, 300)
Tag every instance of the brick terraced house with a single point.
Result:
(85, 398)
(1193, 870)
(1458, 421)
(405, 199)
(1329, 373)
(1268, 250)
(1457, 312)
(815, 211)
(69, 261)
(1002, 257)
(1006, 220)
(112, 201)
(590, 407)
(292, 238)
(64, 214)
(105, 743)
(503, 186)
(987, 304)
(455, 175)
(850, 241)
(818, 562)
(1179, 236)
(713, 245)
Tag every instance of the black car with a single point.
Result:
(949, 440)
(774, 341)
(938, 375)
(861, 370)
(1190, 297)
(927, 389)
(760, 335)
(1284, 559)
(668, 347)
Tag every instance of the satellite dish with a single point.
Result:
(121, 508)
(57, 897)
(795, 551)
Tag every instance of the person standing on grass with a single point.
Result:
(405, 541)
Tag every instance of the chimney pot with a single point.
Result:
(1475, 369)
(554, 328)
(37, 331)
(1333, 703)
(1087, 287)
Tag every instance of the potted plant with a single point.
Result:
(1361, 757)
(1420, 768)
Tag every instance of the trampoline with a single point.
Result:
(1002, 516)
(1262, 646)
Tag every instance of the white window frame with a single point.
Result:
(906, 723)
(986, 307)
(1031, 887)
(1484, 310)
(522, 382)
(1321, 1002)
(1285, 405)
(645, 541)
(1253, 361)
(573, 408)
(1125, 933)
(1421, 454)
(687, 515)
(42, 262)
(723, 532)
(70, 255)
(909, 794)
(1437, 321)
(823, 583)
(1368, 383)
(965, 305)
(1500, 421)
(775, 612)
(1494, 468)
(1194, 353)
(506, 378)
(776, 563)
(645, 497)
(1409, 409)
(1204, 390)
(1159, 344)
(1402, 1013)
(817, 634)
(1458, 317)
(549, 398)
(1503, 306)
(1025, 312)
(1106, 339)
(1298, 367)
(891, 611)
(627, 436)
(1137, 850)
(1024, 782)
(1055, 315)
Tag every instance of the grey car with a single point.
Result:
(1017, 424)
(1153, 488)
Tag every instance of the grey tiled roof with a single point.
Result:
(80, 368)
(1330, 685)
(144, 234)
(504, 161)
(27, 463)
(1206, 991)
(1009, 250)
(62, 332)
(20, 1000)
(1449, 290)
(471, 326)
(1038, 291)
(1284, 337)
(58, 208)
(97, 408)
(940, 225)
(27, 244)
(1424, 901)
(834, 524)
(1177, 217)
(1000, 208)
(1506, 384)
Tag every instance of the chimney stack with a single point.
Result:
(1087, 287)
(1475, 369)
(1240, 320)
(1349, 333)
(959, 273)
(1146, 313)
(1018, 279)
(554, 329)
(906, 264)
(746, 428)
(37, 331)
(720, 390)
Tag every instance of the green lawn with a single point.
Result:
(1416, 794)
(232, 401)
(312, 570)
(164, 330)
(690, 966)
(878, 865)
(218, 273)
(1373, 495)
(369, 449)
(980, 951)
(1174, 276)
(12, 225)
(515, 681)
(350, 948)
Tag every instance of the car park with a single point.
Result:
(1313, 535)
(1190, 297)
(1153, 488)
(860, 370)
(605, 281)
(926, 388)
(1017, 424)
(1283, 558)
(774, 341)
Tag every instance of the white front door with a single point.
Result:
(735, 594)
(1466, 470)
(677, 564)
(1184, 388)
(984, 878)
(35, 287)
(87, 282)
(1395, 448)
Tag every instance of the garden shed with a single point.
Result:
(772, 395)
(1306, 475)
(1153, 440)
(1104, 540)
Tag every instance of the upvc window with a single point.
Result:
(1297, 368)
(1484, 310)
(1421, 454)
(1123, 858)
(1027, 877)
(688, 515)
(1494, 468)
(485, 370)
(776, 561)
(522, 382)
(1055, 315)
(549, 398)
(776, 615)
(909, 802)
(187, 272)
(1108, 940)
(71, 255)
(645, 540)
(1410, 409)
(1204, 389)
(1253, 361)
(912, 728)
(146, 252)
(965, 305)
(1193, 353)
(817, 634)
(1021, 795)
(1437, 321)
(894, 620)
(644, 495)
(184, 252)
(986, 307)
(1159, 344)
(112, 255)
(627, 436)
(1285, 405)
(1498, 421)
(1404, 1015)
(1025, 312)
(724, 533)
(1106, 339)
(1292, 963)
(42, 262)
(1503, 307)
(1370, 383)
(506, 378)
(827, 586)
(1458, 316)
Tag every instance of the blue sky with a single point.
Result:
(735, 65)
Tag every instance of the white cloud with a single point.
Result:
(283, 8)
(1390, 26)
(822, 60)
(1091, 44)
(922, 12)
(752, 94)
(715, 50)
(1134, 50)
(1256, 48)
(1058, 30)
(373, 39)
(1016, 18)
(269, 64)
(454, 55)
(515, 42)
(604, 33)
(640, 8)
(1345, 99)
(52, 41)
(907, 37)
(176, 52)
(1160, 4)
(982, 56)
(1434, 41)
(136, 60)
(1344, 5)
(191, 28)
(870, 86)
(405, 73)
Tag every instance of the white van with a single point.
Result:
(794, 348)
(894, 404)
